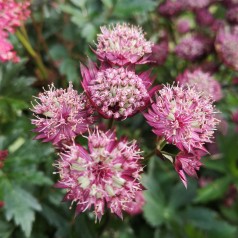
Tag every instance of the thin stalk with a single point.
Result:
(110, 123)
(32, 53)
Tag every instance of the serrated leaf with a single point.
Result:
(209, 220)
(20, 206)
(213, 191)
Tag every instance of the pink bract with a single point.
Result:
(184, 117)
(123, 44)
(202, 82)
(116, 92)
(105, 175)
(187, 163)
(61, 114)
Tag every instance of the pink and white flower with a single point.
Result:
(193, 47)
(202, 82)
(184, 117)
(116, 92)
(61, 114)
(12, 15)
(123, 44)
(105, 175)
(226, 45)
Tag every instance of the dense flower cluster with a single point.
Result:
(193, 47)
(202, 82)
(61, 115)
(185, 118)
(123, 44)
(116, 92)
(12, 14)
(107, 175)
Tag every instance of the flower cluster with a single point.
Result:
(193, 47)
(123, 44)
(12, 14)
(184, 117)
(107, 172)
(202, 82)
(105, 175)
(226, 46)
(117, 92)
(61, 115)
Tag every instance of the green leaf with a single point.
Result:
(213, 191)
(20, 206)
(68, 68)
(209, 221)
(6, 229)
(125, 8)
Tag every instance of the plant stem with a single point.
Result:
(110, 123)
(33, 54)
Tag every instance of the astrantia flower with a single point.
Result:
(226, 45)
(202, 82)
(235, 119)
(6, 49)
(160, 51)
(123, 44)
(116, 92)
(204, 17)
(184, 117)
(232, 15)
(171, 7)
(196, 3)
(183, 25)
(12, 14)
(187, 163)
(193, 47)
(61, 114)
(105, 175)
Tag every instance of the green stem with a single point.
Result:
(110, 123)
(33, 54)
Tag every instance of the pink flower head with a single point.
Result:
(226, 45)
(196, 3)
(160, 51)
(202, 82)
(204, 17)
(171, 7)
(61, 114)
(12, 14)
(232, 15)
(187, 163)
(6, 49)
(116, 92)
(123, 44)
(105, 175)
(184, 117)
(193, 47)
(183, 25)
